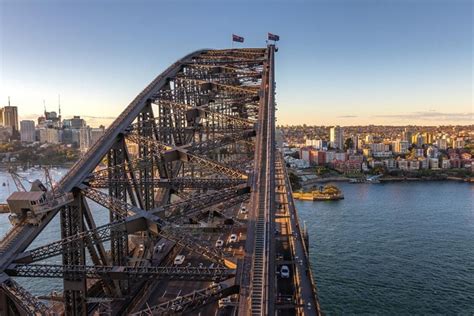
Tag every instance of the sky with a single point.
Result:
(346, 62)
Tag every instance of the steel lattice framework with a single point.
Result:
(186, 148)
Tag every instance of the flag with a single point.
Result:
(237, 38)
(273, 37)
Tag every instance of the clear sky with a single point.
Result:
(341, 62)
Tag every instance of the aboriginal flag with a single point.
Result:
(273, 37)
(237, 38)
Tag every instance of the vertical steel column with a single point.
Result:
(118, 189)
(145, 129)
(71, 217)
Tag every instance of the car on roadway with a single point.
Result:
(223, 302)
(219, 243)
(159, 248)
(179, 259)
(285, 272)
(141, 247)
(233, 238)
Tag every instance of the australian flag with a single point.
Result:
(273, 37)
(237, 38)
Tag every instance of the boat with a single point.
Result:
(327, 193)
(358, 180)
(371, 179)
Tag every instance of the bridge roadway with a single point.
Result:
(290, 237)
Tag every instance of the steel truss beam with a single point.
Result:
(119, 272)
(139, 220)
(72, 223)
(178, 183)
(173, 154)
(191, 301)
(93, 236)
(201, 147)
(22, 298)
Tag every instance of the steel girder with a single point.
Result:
(172, 154)
(98, 235)
(205, 111)
(139, 220)
(200, 202)
(71, 218)
(27, 302)
(191, 301)
(179, 183)
(119, 272)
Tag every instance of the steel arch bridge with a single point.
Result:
(189, 168)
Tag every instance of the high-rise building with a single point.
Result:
(27, 131)
(9, 116)
(401, 146)
(427, 138)
(76, 122)
(418, 140)
(50, 135)
(336, 136)
(96, 134)
(355, 142)
(407, 135)
(84, 138)
(459, 143)
(442, 143)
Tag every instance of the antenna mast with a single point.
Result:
(59, 104)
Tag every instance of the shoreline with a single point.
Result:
(390, 179)
(6, 167)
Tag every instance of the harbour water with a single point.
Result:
(394, 249)
(386, 249)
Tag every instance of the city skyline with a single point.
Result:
(340, 63)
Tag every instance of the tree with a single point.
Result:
(294, 181)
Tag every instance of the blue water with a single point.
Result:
(394, 249)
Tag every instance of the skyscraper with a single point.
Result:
(336, 136)
(10, 117)
(27, 131)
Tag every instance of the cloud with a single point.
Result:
(347, 116)
(430, 116)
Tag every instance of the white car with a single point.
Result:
(141, 247)
(159, 248)
(285, 272)
(179, 259)
(219, 243)
(223, 302)
(233, 238)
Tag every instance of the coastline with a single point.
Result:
(389, 179)
(7, 166)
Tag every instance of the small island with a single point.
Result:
(323, 193)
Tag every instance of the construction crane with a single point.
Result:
(17, 179)
(48, 180)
